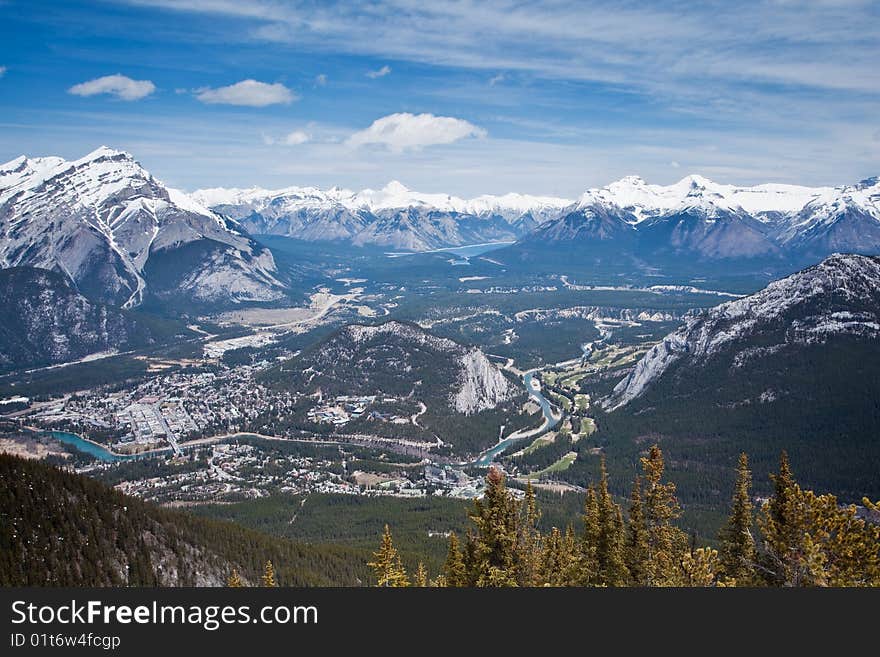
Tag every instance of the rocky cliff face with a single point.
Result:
(102, 219)
(45, 322)
(838, 297)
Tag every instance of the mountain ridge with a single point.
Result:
(100, 219)
(838, 296)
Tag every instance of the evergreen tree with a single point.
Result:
(737, 546)
(554, 561)
(496, 518)
(589, 565)
(811, 540)
(469, 556)
(386, 563)
(268, 578)
(611, 567)
(572, 564)
(783, 530)
(637, 537)
(667, 544)
(421, 579)
(700, 568)
(234, 580)
(454, 572)
(528, 553)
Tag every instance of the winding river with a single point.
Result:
(533, 387)
(94, 449)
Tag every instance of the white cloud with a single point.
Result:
(2, 71)
(380, 73)
(675, 165)
(250, 93)
(296, 138)
(121, 86)
(405, 131)
(496, 79)
(321, 80)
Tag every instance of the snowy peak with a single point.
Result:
(839, 296)
(394, 216)
(395, 187)
(99, 219)
(646, 200)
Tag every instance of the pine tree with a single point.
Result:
(268, 578)
(421, 579)
(611, 568)
(589, 565)
(528, 553)
(572, 564)
(667, 544)
(386, 563)
(234, 580)
(782, 526)
(553, 560)
(454, 572)
(737, 546)
(700, 568)
(469, 556)
(811, 540)
(637, 537)
(496, 519)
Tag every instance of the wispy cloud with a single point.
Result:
(379, 73)
(250, 93)
(496, 79)
(637, 43)
(405, 131)
(2, 71)
(296, 138)
(321, 80)
(117, 85)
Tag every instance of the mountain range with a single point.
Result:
(698, 218)
(120, 235)
(693, 215)
(123, 238)
(654, 223)
(394, 216)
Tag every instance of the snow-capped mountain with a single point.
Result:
(840, 219)
(644, 200)
(698, 217)
(393, 216)
(838, 297)
(120, 234)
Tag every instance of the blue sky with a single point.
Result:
(461, 97)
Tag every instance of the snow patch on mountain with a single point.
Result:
(99, 219)
(839, 296)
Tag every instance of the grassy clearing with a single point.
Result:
(562, 464)
(538, 443)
